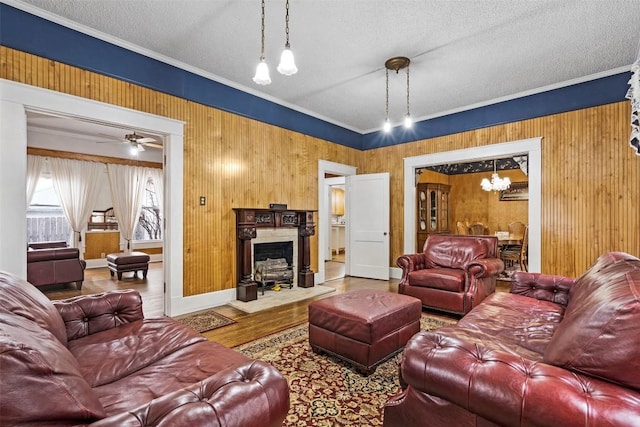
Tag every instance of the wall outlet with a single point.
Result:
(102, 255)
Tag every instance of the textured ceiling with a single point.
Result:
(463, 53)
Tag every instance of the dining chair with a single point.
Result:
(478, 229)
(517, 253)
(516, 230)
(461, 228)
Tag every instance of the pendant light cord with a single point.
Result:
(286, 27)
(262, 34)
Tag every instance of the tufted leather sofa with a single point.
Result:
(554, 351)
(53, 263)
(95, 361)
(453, 273)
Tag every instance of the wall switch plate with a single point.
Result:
(203, 200)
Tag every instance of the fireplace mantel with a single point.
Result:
(249, 220)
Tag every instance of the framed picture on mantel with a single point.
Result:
(517, 191)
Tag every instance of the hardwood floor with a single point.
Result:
(247, 327)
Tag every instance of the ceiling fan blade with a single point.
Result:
(140, 147)
(152, 145)
(145, 140)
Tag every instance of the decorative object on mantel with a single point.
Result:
(517, 191)
(262, 72)
(634, 95)
(396, 63)
(287, 63)
(278, 206)
(496, 183)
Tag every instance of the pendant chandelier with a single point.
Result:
(287, 64)
(496, 183)
(396, 63)
(262, 72)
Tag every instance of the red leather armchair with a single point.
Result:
(94, 360)
(454, 273)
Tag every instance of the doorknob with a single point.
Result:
(385, 233)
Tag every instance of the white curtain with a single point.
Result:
(34, 168)
(77, 185)
(127, 184)
(157, 175)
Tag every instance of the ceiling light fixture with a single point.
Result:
(262, 72)
(396, 63)
(287, 64)
(496, 183)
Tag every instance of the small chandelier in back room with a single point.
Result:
(496, 183)
(396, 63)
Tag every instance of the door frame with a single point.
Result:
(324, 210)
(15, 99)
(532, 147)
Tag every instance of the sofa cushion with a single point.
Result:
(441, 251)
(23, 299)
(40, 380)
(599, 333)
(446, 279)
(130, 347)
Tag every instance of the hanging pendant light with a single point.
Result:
(496, 183)
(387, 124)
(396, 63)
(408, 122)
(287, 64)
(262, 72)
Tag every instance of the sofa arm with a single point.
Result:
(511, 391)
(88, 314)
(544, 287)
(250, 395)
(411, 262)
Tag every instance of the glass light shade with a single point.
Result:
(408, 121)
(262, 74)
(387, 126)
(133, 150)
(287, 64)
(496, 183)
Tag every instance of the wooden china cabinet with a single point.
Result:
(433, 211)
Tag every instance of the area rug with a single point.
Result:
(205, 320)
(284, 296)
(324, 390)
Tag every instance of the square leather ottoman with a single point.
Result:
(363, 327)
(123, 262)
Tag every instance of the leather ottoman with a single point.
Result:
(363, 327)
(123, 262)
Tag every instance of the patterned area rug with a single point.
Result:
(205, 320)
(324, 390)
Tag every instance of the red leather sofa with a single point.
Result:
(554, 351)
(95, 361)
(53, 263)
(453, 273)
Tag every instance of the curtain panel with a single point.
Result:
(77, 184)
(127, 185)
(35, 165)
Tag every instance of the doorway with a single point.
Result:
(330, 174)
(531, 147)
(336, 257)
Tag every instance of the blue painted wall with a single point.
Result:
(29, 33)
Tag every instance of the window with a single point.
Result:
(46, 221)
(150, 223)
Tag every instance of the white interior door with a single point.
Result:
(367, 202)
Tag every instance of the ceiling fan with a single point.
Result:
(137, 142)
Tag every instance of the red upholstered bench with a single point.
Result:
(123, 262)
(363, 327)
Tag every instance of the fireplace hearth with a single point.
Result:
(276, 229)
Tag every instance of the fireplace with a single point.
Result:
(270, 226)
(273, 260)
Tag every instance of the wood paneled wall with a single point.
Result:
(590, 182)
(233, 161)
(590, 185)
